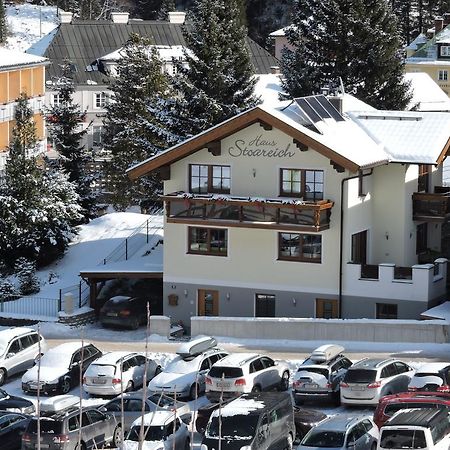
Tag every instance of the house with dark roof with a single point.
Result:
(92, 47)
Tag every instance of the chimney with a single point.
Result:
(275, 70)
(438, 24)
(446, 19)
(65, 16)
(177, 17)
(120, 17)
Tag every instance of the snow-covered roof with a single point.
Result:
(432, 367)
(10, 333)
(68, 347)
(426, 93)
(268, 88)
(166, 53)
(40, 47)
(235, 359)
(12, 59)
(351, 103)
(156, 418)
(444, 36)
(240, 406)
(441, 311)
(406, 136)
(280, 32)
(420, 39)
(112, 357)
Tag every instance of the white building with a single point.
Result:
(296, 210)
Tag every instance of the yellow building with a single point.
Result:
(20, 72)
(432, 56)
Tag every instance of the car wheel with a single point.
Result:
(289, 443)
(65, 386)
(187, 444)
(284, 383)
(2, 376)
(135, 324)
(374, 446)
(256, 388)
(117, 437)
(194, 391)
(129, 387)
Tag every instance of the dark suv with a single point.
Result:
(61, 430)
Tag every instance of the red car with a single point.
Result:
(390, 404)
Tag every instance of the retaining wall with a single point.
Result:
(370, 330)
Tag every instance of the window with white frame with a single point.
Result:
(100, 99)
(443, 75)
(57, 99)
(97, 139)
(445, 50)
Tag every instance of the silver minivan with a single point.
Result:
(19, 350)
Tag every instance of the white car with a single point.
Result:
(163, 430)
(184, 376)
(433, 377)
(19, 350)
(117, 372)
(245, 372)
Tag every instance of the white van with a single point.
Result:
(19, 350)
(424, 429)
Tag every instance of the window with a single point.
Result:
(443, 75)
(208, 241)
(256, 366)
(445, 50)
(421, 238)
(386, 311)
(302, 183)
(57, 99)
(14, 347)
(97, 135)
(204, 179)
(100, 99)
(264, 305)
(359, 247)
(424, 177)
(327, 308)
(300, 247)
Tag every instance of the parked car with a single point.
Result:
(184, 376)
(342, 431)
(132, 407)
(61, 430)
(390, 404)
(16, 404)
(320, 375)
(163, 430)
(117, 372)
(254, 421)
(12, 427)
(125, 311)
(433, 377)
(370, 379)
(425, 429)
(19, 349)
(60, 368)
(245, 372)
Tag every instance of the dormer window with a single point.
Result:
(206, 179)
(445, 50)
(304, 183)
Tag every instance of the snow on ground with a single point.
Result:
(27, 24)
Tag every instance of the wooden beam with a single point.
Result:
(265, 125)
(338, 168)
(215, 148)
(164, 172)
(301, 146)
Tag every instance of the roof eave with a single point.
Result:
(25, 66)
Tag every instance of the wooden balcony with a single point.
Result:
(247, 212)
(432, 207)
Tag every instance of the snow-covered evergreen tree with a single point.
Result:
(132, 133)
(64, 121)
(355, 40)
(218, 81)
(166, 7)
(37, 208)
(26, 274)
(3, 26)
(7, 290)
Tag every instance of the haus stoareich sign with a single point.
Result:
(257, 147)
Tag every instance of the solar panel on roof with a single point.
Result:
(330, 108)
(318, 108)
(308, 110)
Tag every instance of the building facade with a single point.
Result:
(300, 211)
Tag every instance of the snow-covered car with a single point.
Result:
(431, 377)
(19, 349)
(117, 372)
(184, 376)
(163, 430)
(245, 372)
(132, 407)
(60, 368)
(320, 375)
(343, 431)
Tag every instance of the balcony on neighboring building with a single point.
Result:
(432, 207)
(248, 212)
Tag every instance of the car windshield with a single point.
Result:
(226, 372)
(360, 376)
(235, 427)
(55, 358)
(180, 365)
(161, 400)
(47, 426)
(325, 439)
(393, 439)
(152, 433)
(101, 369)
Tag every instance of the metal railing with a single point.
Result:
(79, 291)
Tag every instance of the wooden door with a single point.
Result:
(359, 248)
(208, 302)
(327, 308)
(264, 305)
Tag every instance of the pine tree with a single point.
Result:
(37, 208)
(148, 9)
(166, 7)
(3, 26)
(132, 133)
(65, 128)
(354, 40)
(217, 82)
(26, 274)
(7, 291)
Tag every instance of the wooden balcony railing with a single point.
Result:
(247, 212)
(431, 207)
